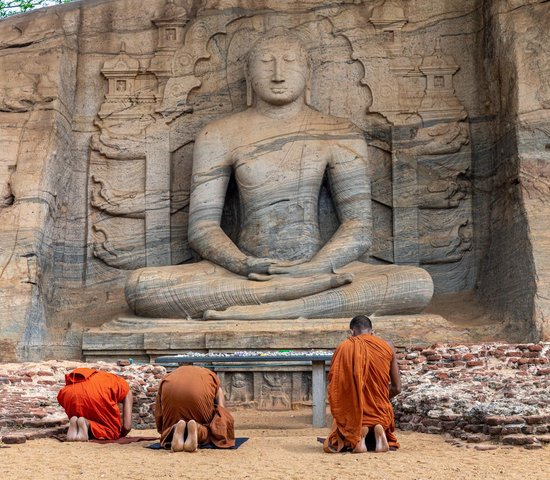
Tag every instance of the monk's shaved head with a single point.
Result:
(360, 324)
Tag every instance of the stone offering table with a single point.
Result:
(317, 359)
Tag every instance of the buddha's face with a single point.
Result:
(278, 70)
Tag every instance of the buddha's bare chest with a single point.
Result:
(280, 162)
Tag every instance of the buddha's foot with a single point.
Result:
(72, 433)
(247, 312)
(381, 440)
(177, 437)
(341, 279)
(192, 441)
(283, 308)
(83, 426)
(361, 447)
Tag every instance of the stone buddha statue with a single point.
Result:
(279, 151)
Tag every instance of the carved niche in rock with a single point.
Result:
(150, 118)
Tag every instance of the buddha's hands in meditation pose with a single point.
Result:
(279, 151)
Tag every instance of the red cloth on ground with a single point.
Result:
(188, 393)
(358, 391)
(95, 395)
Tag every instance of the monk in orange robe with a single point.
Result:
(90, 399)
(363, 376)
(190, 411)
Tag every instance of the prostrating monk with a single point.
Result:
(190, 411)
(363, 376)
(90, 399)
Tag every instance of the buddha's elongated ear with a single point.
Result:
(307, 93)
(249, 91)
(309, 67)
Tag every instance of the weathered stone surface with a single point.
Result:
(154, 337)
(451, 97)
(514, 274)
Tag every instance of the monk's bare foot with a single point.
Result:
(72, 433)
(192, 441)
(381, 440)
(177, 436)
(82, 435)
(361, 447)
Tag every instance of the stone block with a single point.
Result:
(13, 438)
(517, 440)
(533, 446)
(485, 448)
(511, 429)
(536, 419)
(543, 438)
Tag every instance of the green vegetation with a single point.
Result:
(11, 7)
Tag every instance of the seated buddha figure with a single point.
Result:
(279, 151)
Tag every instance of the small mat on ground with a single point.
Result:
(370, 445)
(238, 442)
(120, 441)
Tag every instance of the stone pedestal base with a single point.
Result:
(144, 339)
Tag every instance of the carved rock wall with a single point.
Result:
(38, 58)
(513, 168)
(101, 101)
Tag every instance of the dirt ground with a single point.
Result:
(281, 445)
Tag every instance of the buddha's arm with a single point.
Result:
(350, 188)
(211, 173)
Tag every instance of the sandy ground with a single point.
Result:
(281, 446)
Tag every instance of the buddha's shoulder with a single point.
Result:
(226, 125)
(332, 123)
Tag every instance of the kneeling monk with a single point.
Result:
(90, 399)
(190, 411)
(359, 391)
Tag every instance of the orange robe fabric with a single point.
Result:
(188, 393)
(95, 395)
(358, 391)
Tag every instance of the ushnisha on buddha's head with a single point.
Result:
(278, 70)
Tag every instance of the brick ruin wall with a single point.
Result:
(475, 393)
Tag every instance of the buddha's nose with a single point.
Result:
(278, 73)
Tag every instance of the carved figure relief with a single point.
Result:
(240, 390)
(275, 391)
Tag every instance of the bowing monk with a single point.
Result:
(363, 376)
(190, 411)
(90, 399)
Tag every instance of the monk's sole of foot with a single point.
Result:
(72, 433)
(381, 440)
(191, 442)
(177, 437)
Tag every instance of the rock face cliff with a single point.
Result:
(101, 100)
